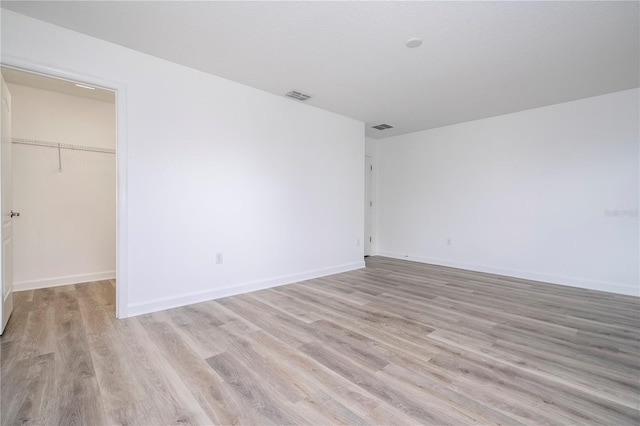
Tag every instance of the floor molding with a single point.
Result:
(618, 288)
(197, 297)
(66, 280)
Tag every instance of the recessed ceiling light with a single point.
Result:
(85, 87)
(414, 42)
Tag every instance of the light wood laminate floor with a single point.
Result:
(396, 343)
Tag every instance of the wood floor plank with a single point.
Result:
(201, 380)
(313, 376)
(567, 401)
(438, 394)
(256, 393)
(38, 333)
(15, 327)
(281, 379)
(401, 399)
(266, 318)
(27, 393)
(114, 378)
(320, 408)
(166, 396)
(398, 342)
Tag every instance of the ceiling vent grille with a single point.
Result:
(382, 127)
(298, 96)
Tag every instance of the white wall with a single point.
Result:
(217, 166)
(524, 194)
(66, 231)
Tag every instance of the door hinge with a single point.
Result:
(370, 203)
(369, 239)
(371, 168)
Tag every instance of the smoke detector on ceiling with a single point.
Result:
(382, 127)
(412, 43)
(298, 96)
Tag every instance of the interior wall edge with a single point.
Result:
(618, 288)
(161, 304)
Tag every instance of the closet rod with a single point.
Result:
(21, 141)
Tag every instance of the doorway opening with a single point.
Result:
(368, 205)
(62, 160)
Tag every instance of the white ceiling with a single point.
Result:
(56, 85)
(479, 59)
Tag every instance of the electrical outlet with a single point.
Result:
(218, 258)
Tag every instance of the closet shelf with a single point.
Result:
(22, 141)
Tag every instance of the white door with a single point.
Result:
(6, 233)
(368, 170)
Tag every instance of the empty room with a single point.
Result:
(308, 212)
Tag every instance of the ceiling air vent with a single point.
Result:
(298, 96)
(382, 127)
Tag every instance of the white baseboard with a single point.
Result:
(619, 288)
(58, 281)
(197, 297)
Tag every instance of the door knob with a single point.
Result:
(14, 213)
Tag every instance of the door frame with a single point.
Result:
(6, 177)
(368, 196)
(120, 90)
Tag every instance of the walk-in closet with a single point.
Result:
(64, 182)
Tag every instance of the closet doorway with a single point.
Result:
(63, 149)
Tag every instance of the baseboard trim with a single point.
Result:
(609, 287)
(161, 304)
(66, 280)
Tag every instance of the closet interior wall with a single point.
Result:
(66, 231)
